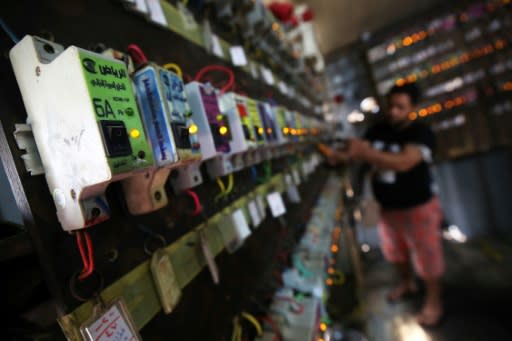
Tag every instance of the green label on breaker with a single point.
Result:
(118, 118)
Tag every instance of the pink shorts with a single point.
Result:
(415, 234)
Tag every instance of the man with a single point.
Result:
(400, 150)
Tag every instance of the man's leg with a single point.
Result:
(407, 284)
(395, 251)
(432, 310)
(428, 259)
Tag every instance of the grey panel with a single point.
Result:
(497, 171)
(8, 210)
(463, 195)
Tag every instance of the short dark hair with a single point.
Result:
(409, 89)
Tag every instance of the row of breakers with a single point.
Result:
(91, 129)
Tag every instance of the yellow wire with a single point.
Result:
(338, 278)
(236, 326)
(231, 183)
(239, 334)
(222, 188)
(254, 322)
(174, 67)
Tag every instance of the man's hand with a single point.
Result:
(358, 149)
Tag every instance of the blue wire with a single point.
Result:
(254, 174)
(8, 31)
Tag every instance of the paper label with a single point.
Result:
(282, 87)
(241, 226)
(267, 75)
(112, 324)
(189, 23)
(166, 283)
(261, 206)
(156, 14)
(254, 212)
(275, 201)
(238, 57)
(296, 176)
(216, 46)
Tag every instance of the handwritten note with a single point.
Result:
(113, 324)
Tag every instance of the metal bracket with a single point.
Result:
(25, 141)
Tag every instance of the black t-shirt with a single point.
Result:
(399, 190)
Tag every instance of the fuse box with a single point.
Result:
(233, 106)
(85, 123)
(247, 125)
(267, 119)
(171, 131)
(259, 132)
(214, 133)
(254, 114)
(282, 123)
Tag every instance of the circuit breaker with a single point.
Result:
(267, 119)
(297, 123)
(283, 129)
(213, 133)
(85, 123)
(259, 131)
(233, 106)
(172, 134)
(280, 114)
(269, 129)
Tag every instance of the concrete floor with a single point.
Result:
(477, 294)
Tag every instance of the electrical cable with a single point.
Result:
(236, 329)
(8, 31)
(197, 204)
(254, 173)
(231, 183)
(254, 322)
(222, 188)
(139, 58)
(300, 306)
(174, 67)
(273, 325)
(87, 256)
(231, 81)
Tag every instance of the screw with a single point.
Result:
(158, 195)
(73, 194)
(38, 71)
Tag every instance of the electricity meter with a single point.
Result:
(259, 131)
(172, 134)
(233, 106)
(214, 133)
(85, 123)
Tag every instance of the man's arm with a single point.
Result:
(409, 157)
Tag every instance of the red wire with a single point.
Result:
(208, 68)
(291, 300)
(87, 257)
(81, 249)
(197, 204)
(273, 325)
(137, 55)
